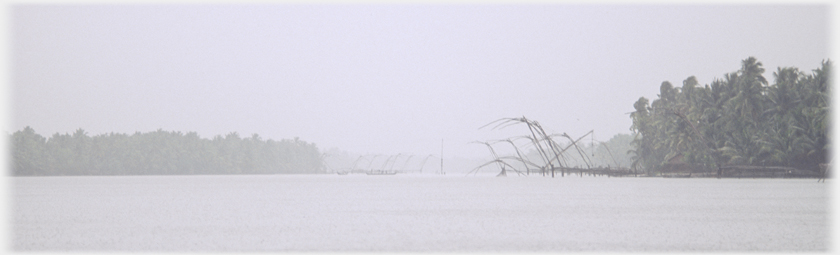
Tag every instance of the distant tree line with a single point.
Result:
(158, 153)
(737, 120)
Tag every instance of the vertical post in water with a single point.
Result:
(552, 170)
(441, 156)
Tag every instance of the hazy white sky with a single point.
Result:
(381, 78)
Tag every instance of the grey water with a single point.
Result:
(416, 213)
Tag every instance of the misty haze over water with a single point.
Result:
(381, 79)
(380, 128)
(417, 213)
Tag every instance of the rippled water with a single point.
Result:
(417, 213)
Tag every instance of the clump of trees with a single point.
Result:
(158, 153)
(612, 153)
(741, 119)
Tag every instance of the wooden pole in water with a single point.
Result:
(552, 170)
(441, 156)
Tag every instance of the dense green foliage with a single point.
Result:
(158, 153)
(737, 120)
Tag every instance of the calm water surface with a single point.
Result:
(417, 213)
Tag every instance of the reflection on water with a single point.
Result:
(417, 213)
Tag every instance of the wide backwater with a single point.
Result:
(417, 213)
